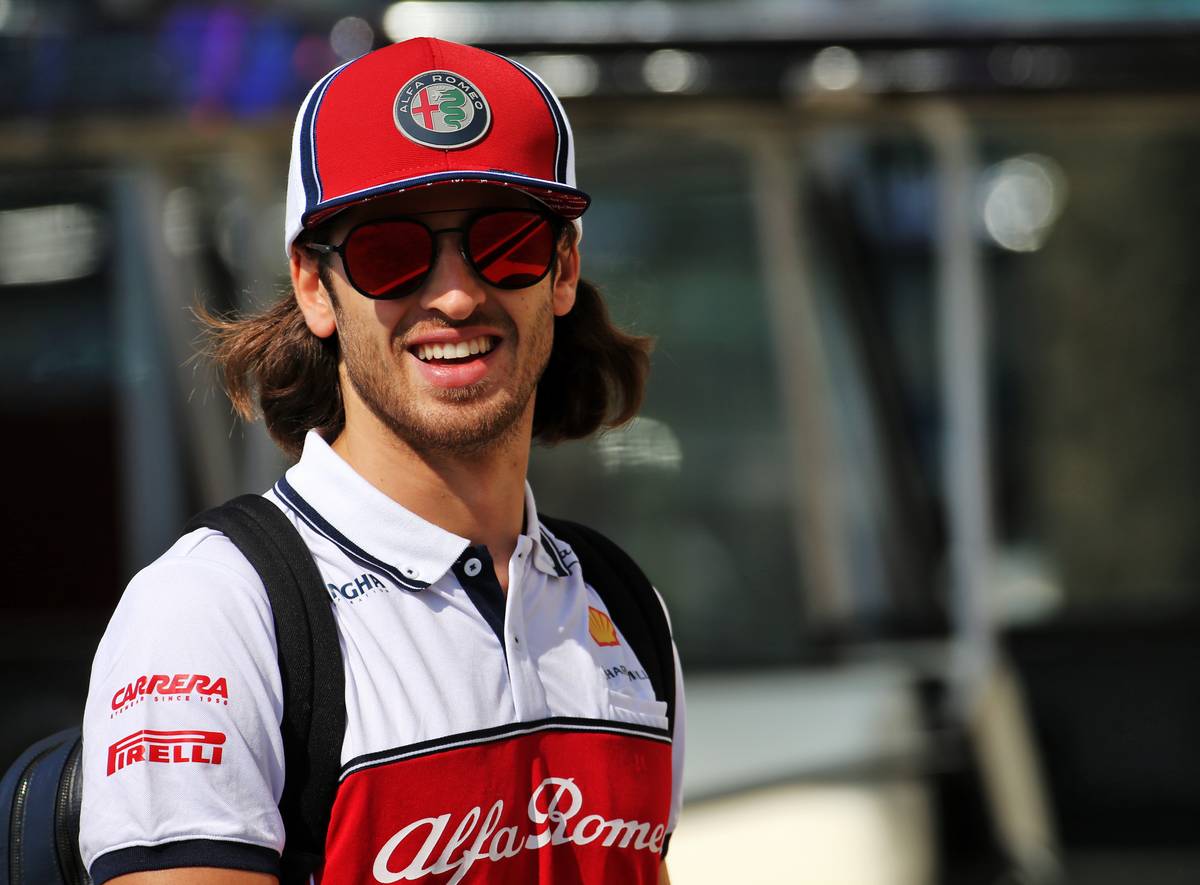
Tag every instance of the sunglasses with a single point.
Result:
(389, 258)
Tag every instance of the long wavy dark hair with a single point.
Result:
(272, 364)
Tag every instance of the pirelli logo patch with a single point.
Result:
(169, 747)
(600, 625)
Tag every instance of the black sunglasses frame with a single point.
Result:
(556, 223)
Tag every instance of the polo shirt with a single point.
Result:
(490, 736)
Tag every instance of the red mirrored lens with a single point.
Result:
(388, 259)
(511, 250)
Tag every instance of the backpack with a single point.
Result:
(40, 793)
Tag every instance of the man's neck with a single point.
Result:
(479, 496)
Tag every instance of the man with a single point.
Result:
(499, 729)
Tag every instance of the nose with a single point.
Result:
(453, 289)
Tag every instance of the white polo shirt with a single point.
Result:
(490, 736)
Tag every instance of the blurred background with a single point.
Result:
(918, 471)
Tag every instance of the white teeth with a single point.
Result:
(455, 350)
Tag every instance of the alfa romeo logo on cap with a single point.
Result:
(442, 109)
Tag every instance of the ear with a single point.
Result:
(315, 303)
(566, 278)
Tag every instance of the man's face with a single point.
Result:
(390, 365)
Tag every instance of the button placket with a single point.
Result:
(477, 579)
(529, 695)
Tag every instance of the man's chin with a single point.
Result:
(433, 419)
(463, 422)
(477, 393)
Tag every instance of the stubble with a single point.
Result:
(463, 421)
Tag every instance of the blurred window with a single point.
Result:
(1095, 368)
(1086, 230)
(58, 397)
(697, 488)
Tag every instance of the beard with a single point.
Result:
(462, 421)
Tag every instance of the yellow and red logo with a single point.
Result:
(602, 628)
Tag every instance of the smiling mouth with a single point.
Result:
(450, 352)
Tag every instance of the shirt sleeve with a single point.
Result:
(182, 754)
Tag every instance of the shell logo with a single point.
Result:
(602, 628)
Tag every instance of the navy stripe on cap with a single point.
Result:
(309, 173)
(560, 125)
(322, 526)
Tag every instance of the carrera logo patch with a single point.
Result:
(169, 747)
(176, 687)
(600, 625)
(441, 109)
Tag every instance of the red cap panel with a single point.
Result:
(359, 145)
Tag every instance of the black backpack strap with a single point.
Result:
(40, 793)
(630, 599)
(310, 665)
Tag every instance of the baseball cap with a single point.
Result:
(421, 113)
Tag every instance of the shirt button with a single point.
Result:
(473, 567)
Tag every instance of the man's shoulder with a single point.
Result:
(202, 570)
(201, 600)
(204, 551)
(207, 551)
(581, 542)
(606, 565)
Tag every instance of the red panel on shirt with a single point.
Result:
(554, 806)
